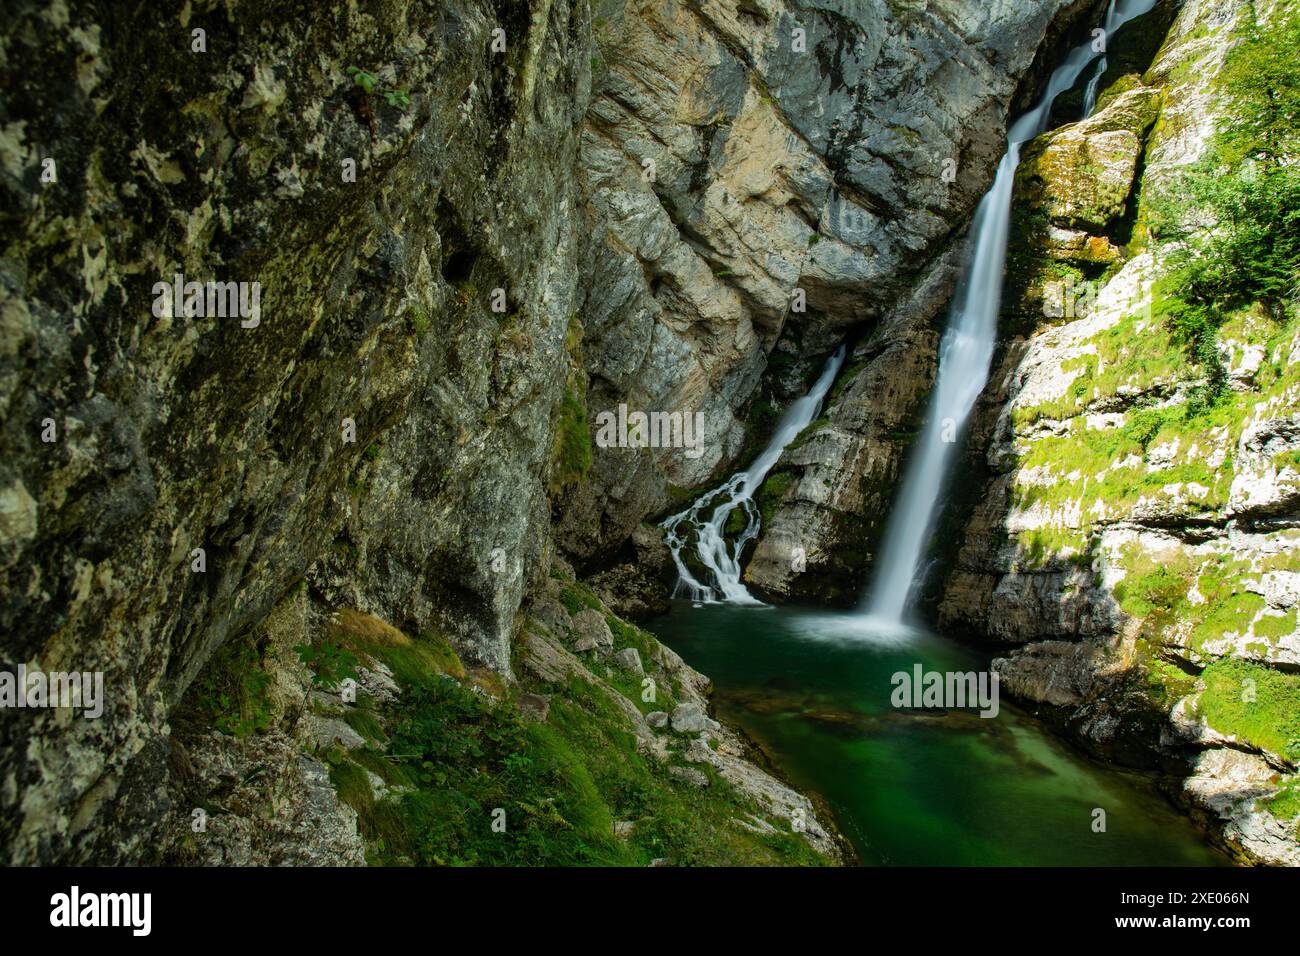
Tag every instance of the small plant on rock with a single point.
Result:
(329, 663)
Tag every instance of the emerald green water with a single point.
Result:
(920, 786)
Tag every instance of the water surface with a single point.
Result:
(919, 787)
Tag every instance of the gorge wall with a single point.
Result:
(1123, 526)
(1133, 544)
(473, 226)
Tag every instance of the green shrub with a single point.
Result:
(234, 689)
(329, 663)
(1230, 225)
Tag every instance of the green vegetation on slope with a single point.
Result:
(1199, 599)
(458, 754)
(233, 690)
(571, 454)
(1227, 237)
(1230, 225)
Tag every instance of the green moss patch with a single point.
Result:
(1257, 704)
(771, 493)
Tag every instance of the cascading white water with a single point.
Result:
(966, 349)
(1090, 91)
(711, 545)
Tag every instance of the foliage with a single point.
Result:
(1263, 85)
(329, 663)
(572, 439)
(578, 597)
(368, 83)
(1230, 224)
(771, 493)
(1242, 246)
(364, 80)
(419, 321)
(234, 689)
(571, 453)
(1285, 804)
(459, 759)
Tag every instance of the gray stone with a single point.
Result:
(629, 658)
(699, 751)
(591, 630)
(534, 707)
(696, 778)
(657, 719)
(377, 683)
(326, 732)
(326, 704)
(689, 718)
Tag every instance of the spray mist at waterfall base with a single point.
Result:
(866, 630)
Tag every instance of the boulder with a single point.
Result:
(690, 718)
(325, 732)
(696, 778)
(629, 658)
(591, 631)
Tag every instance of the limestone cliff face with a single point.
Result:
(833, 490)
(1143, 556)
(462, 254)
(760, 180)
(229, 156)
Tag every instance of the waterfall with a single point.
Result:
(1090, 91)
(966, 349)
(722, 561)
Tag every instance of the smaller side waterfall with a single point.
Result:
(711, 546)
(1090, 91)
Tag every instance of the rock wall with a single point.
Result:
(1140, 556)
(229, 156)
(761, 181)
(461, 256)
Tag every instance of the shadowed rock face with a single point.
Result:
(234, 162)
(728, 161)
(177, 433)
